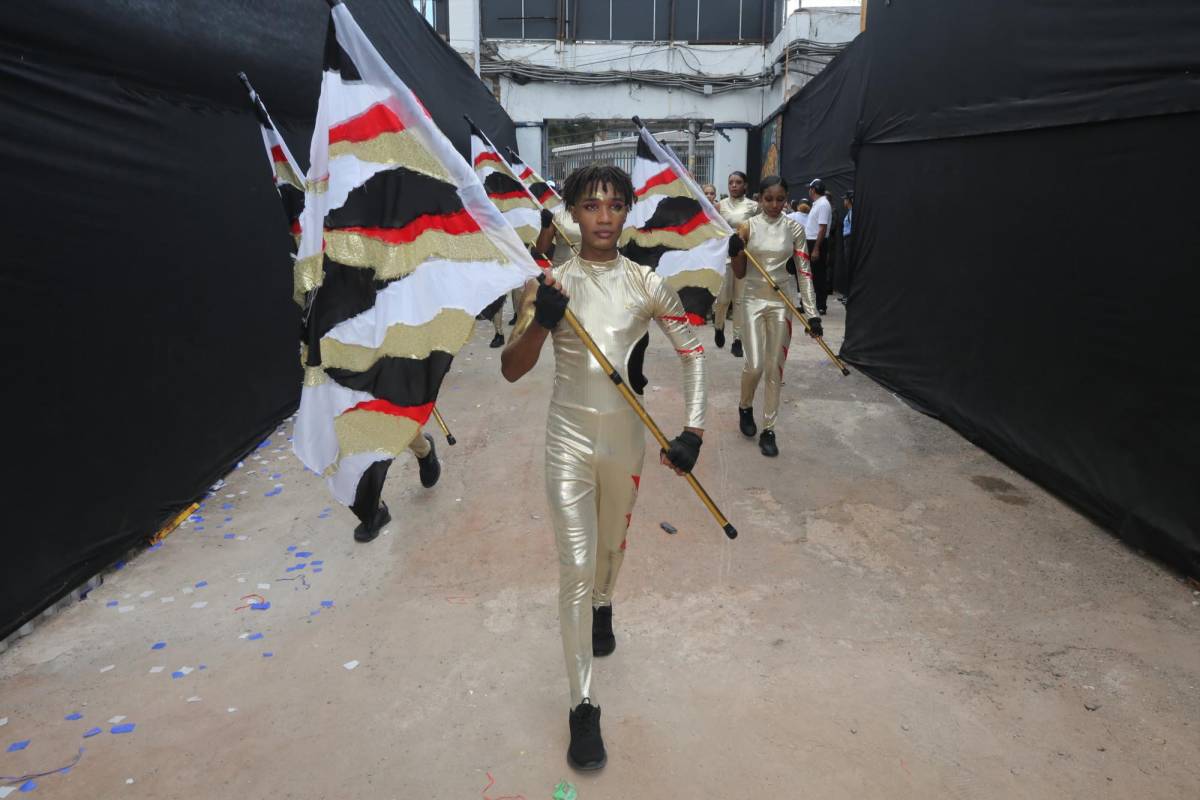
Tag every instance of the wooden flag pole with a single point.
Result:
(450, 440)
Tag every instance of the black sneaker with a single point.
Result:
(603, 639)
(746, 422)
(513, 321)
(366, 533)
(720, 337)
(586, 751)
(766, 444)
(497, 340)
(429, 466)
(735, 349)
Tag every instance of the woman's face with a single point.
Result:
(773, 200)
(600, 213)
(737, 186)
(710, 192)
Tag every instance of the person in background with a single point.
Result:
(842, 284)
(710, 192)
(816, 232)
(736, 209)
(800, 209)
(772, 239)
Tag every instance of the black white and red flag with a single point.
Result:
(509, 193)
(538, 185)
(673, 228)
(401, 248)
(289, 180)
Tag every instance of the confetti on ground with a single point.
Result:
(117, 720)
(110, 666)
(201, 584)
(125, 609)
(158, 645)
(350, 664)
(268, 654)
(73, 716)
(264, 586)
(565, 790)
(199, 604)
(92, 732)
(166, 599)
(126, 728)
(15, 746)
(254, 637)
(231, 709)
(112, 604)
(303, 554)
(193, 699)
(146, 594)
(28, 786)
(157, 669)
(326, 604)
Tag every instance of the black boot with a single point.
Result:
(746, 422)
(497, 340)
(513, 321)
(586, 751)
(603, 640)
(735, 349)
(766, 444)
(429, 466)
(367, 533)
(720, 337)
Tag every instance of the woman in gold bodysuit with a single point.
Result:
(595, 443)
(736, 209)
(772, 239)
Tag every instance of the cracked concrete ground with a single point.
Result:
(901, 617)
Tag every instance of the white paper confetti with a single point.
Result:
(264, 586)
(231, 709)
(166, 599)
(193, 699)
(350, 664)
(124, 609)
(242, 538)
(156, 670)
(110, 666)
(186, 670)
(244, 635)
(117, 720)
(146, 594)
(3, 722)
(200, 604)
(187, 590)
(128, 781)
(5, 791)
(241, 580)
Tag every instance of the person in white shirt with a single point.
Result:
(816, 233)
(799, 213)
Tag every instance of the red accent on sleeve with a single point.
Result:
(698, 349)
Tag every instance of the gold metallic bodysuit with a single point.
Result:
(735, 213)
(766, 321)
(595, 443)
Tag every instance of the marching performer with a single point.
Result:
(594, 441)
(736, 209)
(368, 506)
(772, 239)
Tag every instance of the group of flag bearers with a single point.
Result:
(400, 244)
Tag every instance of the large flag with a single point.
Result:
(673, 228)
(401, 248)
(538, 185)
(510, 195)
(288, 180)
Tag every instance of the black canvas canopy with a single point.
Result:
(1026, 247)
(146, 272)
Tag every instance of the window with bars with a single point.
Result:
(695, 21)
(437, 14)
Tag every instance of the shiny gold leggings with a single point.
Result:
(767, 334)
(593, 467)
(731, 294)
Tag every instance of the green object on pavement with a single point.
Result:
(565, 791)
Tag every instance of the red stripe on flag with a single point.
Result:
(508, 195)
(296, 227)
(457, 223)
(525, 173)
(685, 228)
(376, 120)
(419, 414)
(547, 196)
(487, 155)
(662, 178)
(277, 154)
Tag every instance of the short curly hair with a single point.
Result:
(594, 176)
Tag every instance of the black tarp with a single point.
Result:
(146, 276)
(1026, 249)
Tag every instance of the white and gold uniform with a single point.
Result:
(735, 213)
(595, 443)
(766, 321)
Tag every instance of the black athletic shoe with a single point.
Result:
(720, 337)
(367, 533)
(513, 321)
(735, 349)
(586, 751)
(603, 640)
(746, 422)
(497, 340)
(766, 444)
(429, 466)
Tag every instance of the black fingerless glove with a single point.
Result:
(547, 218)
(549, 306)
(736, 245)
(684, 450)
(815, 325)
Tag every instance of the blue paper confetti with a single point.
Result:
(202, 666)
(229, 535)
(327, 604)
(158, 645)
(254, 637)
(303, 554)
(265, 443)
(201, 584)
(28, 786)
(154, 547)
(291, 548)
(226, 506)
(112, 603)
(118, 566)
(318, 569)
(73, 716)
(276, 476)
(268, 654)
(273, 492)
(260, 606)
(317, 563)
(177, 675)
(92, 732)
(15, 746)
(199, 527)
(125, 727)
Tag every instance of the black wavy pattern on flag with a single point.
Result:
(337, 59)
(394, 198)
(696, 300)
(403, 381)
(541, 190)
(644, 151)
(501, 183)
(293, 201)
(490, 310)
(671, 212)
(345, 292)
(647, 256)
